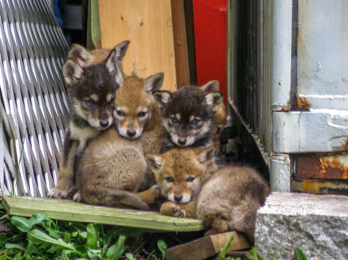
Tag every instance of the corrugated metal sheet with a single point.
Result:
(34, 102)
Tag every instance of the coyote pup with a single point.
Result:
(180, 173)
(230, 198)
(91, 89)
(113, 167)
(189, 116)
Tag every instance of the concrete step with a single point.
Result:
(317, 224)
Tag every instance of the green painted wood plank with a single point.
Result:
(63, 209)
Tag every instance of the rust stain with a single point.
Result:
(303, 103)
(321, 167)
(319, 187)
(333, 167)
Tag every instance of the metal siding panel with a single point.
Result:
(316, 131)
(322, 47)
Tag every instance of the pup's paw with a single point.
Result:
(172, 209)
(77, 196)
(56, 193)
(157, 191)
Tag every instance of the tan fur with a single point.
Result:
(113, 167)
(131, 98)
(179, 174)
(230, 198)
(111, 172)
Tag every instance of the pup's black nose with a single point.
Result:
(131, 133)
(178, 197)
(104, 123)
(182, 141)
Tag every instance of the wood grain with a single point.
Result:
(208, 246)
(63, 209)
(148, 25)
(180, 43)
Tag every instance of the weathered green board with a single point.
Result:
(63, 209)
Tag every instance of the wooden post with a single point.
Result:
(148, 25)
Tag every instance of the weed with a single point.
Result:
(39, 237)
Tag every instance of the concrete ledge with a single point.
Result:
(317, 224)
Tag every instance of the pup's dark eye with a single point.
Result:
(120, 113)
(142, 114)
(191, 179)
(195, 121)
(169, 179)
(112, 100)
(89, 102)
(174, 119)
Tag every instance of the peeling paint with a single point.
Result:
(345, 144)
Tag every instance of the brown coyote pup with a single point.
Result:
(180, 173)
(225, 199)
(113, 167)
(91, 88)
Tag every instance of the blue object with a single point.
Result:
(58, 14)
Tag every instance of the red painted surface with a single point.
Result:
(210, 26)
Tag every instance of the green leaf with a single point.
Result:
(21, 223)
(276, 252)
(116, 250)
(300, 255)
(226, 248)
(64, 255)
(83, 234)
(66, 237)
(254, 255)
(37, 219)
(14, 246)
(162, 246)
(3, 257)
(94, 254)
(30, 248)
(36, 234)
(6, 216)
(18, 256)
(91, 236)
(130, 256)
(54, 248)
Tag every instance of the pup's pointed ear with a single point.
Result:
(113, 67)
(80, 55)
(72, 72)
(121, 49)
(214, 99)
(153, 83)
(162, 98)
(155, 162)
(212, 86)
(205, 155)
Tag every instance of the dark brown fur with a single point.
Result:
(91, 88)
(189, 116)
